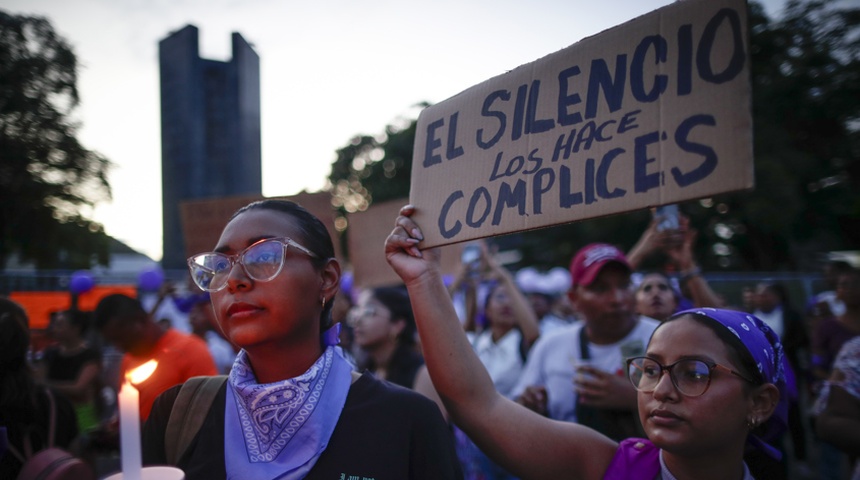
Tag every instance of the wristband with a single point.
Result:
(693, 272)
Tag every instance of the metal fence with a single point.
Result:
(58, 280)
(800, 285)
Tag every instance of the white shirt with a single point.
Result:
(502, 359)
(837, 307)
(551, 322)
(550, 363)
(773, 319)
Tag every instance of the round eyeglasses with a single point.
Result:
(691, 377)
(261, 261)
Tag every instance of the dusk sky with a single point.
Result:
(329, 70)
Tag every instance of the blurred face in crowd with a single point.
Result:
(126, 334)
(372, 323)
(655, 297)
(606, 305)
(202, 318)
(499, 311)
(766, 298)
(61, 327)
(541, 304)
(848, 288)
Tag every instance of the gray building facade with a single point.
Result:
(210, 129)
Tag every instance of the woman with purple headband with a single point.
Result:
(721, 392)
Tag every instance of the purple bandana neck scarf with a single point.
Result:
(764, 346)
(279, 430)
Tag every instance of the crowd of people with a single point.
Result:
(488, 374)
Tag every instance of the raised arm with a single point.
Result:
(691, 275)
(523, 312)
(81, 388)
(839, 423)
(520, 440)
(466, 283)
(652, 240)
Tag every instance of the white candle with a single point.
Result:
(129, 431)
(129, 420)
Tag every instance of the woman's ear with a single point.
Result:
(330, 276)
(764, 401)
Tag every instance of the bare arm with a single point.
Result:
(464, 282)
(167, 289)
(80, 389)
(523, 312)
(839, 424)
(682, 256)
(520, 440)
(651, 241)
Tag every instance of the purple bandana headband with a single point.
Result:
(766, 350)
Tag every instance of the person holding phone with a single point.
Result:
(677, 246)
(576, 373)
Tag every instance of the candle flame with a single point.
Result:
(141, 373)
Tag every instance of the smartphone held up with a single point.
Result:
(667, 215)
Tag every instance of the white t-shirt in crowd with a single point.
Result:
(502, 359)
(550, 363)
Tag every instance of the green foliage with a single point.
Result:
(374, 169)
(806, 97)
(46, 175)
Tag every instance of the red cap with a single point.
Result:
(589, 260)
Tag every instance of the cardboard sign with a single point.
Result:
(366, 240)
(651, 112)
(203, 220)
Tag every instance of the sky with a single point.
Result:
(330, 70)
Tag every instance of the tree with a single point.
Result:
(46, 175)
(805, 72)
(374, 168)
(806, 97)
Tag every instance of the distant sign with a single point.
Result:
(654, 111)
(203, 220)
(366, 240)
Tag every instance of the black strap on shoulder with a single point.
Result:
(584, 352)
(185, 421)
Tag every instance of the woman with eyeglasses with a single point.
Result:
(292, 407)
(708, 386)
(384, 330)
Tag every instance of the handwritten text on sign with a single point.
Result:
(651, 112)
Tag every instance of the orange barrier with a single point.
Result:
(39, 305)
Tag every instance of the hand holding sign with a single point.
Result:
(402, 253)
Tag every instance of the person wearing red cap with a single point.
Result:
(576, 373)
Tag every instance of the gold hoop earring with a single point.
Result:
(752, 423)
(323, 303)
